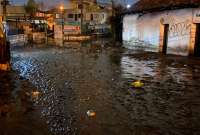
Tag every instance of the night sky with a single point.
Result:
(21, 2)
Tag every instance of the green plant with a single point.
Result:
(31, 7)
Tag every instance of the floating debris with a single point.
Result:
(137, 84)
(35, 94)
(27, 94)
(91, 113)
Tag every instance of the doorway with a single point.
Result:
(76, 17)
(165, 38)
(197, 41)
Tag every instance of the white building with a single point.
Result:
(168, 26)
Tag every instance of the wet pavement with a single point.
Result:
(18, 116)
(61, 84)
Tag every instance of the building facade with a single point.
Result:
(167, 27)
(87, 18)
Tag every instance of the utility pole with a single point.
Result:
(4, 3)
(46, 33)
(62, 17)
(81, 16)
(4, 46)
(63, 33)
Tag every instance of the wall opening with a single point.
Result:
(197, 41)
(76, 17)
(165, 38)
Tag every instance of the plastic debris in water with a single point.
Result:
(137, 84)
(27, 94)
(91, 113)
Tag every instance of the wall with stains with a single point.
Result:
(143, 31)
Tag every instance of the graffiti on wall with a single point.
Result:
(180, 29)
(144, 32)
(177, 28)
(179, 33)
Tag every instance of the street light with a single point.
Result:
(128, 6)
(61, 8)
(62, 12)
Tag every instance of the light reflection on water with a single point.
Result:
(77, 78)
(132, 68)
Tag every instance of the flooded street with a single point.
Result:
(59, 85)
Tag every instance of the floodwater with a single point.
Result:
(63, 83)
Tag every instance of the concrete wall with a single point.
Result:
(145, 31)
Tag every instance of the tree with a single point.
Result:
(31, 7)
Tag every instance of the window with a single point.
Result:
(57, 16)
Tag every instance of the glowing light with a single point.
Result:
(128, 6)
(5, 67)
(61, 8)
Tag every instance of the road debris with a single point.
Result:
(91, 113)
(137, 84)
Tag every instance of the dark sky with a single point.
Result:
(60, 1)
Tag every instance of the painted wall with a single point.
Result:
(144, 31)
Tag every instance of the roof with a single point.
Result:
(143, 6)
